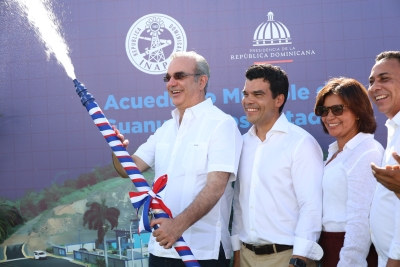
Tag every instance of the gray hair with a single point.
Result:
(388, 55)
(201, 66)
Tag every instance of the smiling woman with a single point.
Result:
(348, 184)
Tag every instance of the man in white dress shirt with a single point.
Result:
(199, 150)
(278, 193)
(384, 91)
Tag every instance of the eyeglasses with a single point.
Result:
(178, 76)
(323, 111)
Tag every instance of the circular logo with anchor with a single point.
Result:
(151, 40)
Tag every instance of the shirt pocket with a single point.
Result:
(160, 156)
(195, 157)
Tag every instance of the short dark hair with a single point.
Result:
(275, 76)
(355, 96)
(388, 55)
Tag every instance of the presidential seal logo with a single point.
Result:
(271, 33)
(272, 44)
(151, 40)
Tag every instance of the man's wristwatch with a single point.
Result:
(297, 262)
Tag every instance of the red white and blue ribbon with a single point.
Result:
(145, 196)
(150, 200)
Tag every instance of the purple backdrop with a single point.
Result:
(46, 135)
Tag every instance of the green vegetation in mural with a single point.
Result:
(100, 262)
(34, 203)
(97, 214)
(9, 218)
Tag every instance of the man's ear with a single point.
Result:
(279, 100)
(203, 79)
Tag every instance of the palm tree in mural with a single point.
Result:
(97, 214)
(9, 217)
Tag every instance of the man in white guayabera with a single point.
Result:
(384, 91)
(199, 150)
(278, 193)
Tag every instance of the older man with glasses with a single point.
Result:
(199, 150)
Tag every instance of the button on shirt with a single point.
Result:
(278, 194)
(348, 188)
(207, 140)
(385, 208)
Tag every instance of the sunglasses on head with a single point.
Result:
(323, 111)
(178, 76)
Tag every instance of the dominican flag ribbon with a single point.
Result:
(150, 200)
(145, 196)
